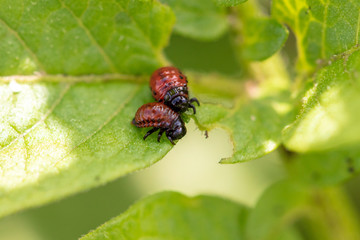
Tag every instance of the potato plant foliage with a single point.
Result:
(73, 73)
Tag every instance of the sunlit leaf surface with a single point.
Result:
(329, 117)
(58, 139)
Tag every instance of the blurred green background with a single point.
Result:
(191, 167)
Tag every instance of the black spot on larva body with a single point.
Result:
(181, 77)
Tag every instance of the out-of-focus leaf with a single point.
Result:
(326, 168)
(329, 117)
(82, 37)
(171, 215)
(200, 19)
(262, 38)
(288, 203)
(322, 28)
(275, 210)
(229, 3)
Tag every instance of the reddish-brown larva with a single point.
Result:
(169, 85)
(160, 117)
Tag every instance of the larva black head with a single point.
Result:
(178, 99)
(179, 103)
(176, 131)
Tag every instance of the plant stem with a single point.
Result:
(337, 214)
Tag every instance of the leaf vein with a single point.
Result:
(24, 44)
(323, 39)
(26, 157)
(91, 37)
(146, 37)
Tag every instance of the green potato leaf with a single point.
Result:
(255, 127)
(329, 116)
(200, 20)
(262, 38)
(276, 210)
(326, 168)
(82, 37)
(229, 3)
(170, 215)
(289, 204)
(255, 118)
(61, 134)
(322, 28)
(62, 138)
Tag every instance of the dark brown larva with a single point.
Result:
(160, 117)
(169, 85)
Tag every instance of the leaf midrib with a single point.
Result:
(59, 78)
